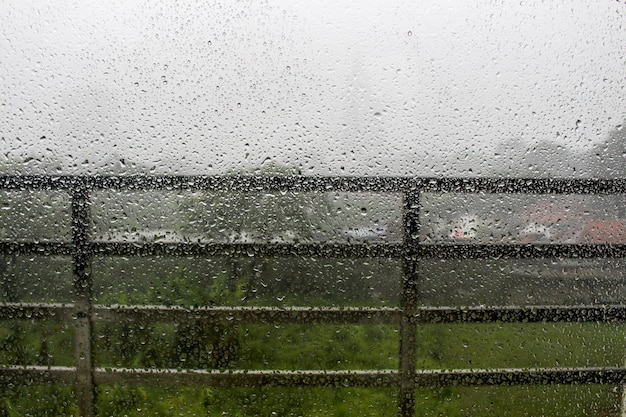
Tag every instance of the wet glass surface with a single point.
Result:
(35, 216)
(39, 399)
(204, 282)
(226, 346)
(246, 217)
(36, 279)
(48, 342)
(339, 401)
(551, 400)
(436, 89)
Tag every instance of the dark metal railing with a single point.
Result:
(408, 316)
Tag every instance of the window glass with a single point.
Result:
(316, 290)
(430, 88)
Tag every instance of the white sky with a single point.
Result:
(337, 87)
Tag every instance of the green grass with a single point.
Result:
(521, 345)
(520, 401)
(280, 282)
(301, 347)
(322, 346)
(42, 342)
(139, 401)
(292, 346)
(40, 400)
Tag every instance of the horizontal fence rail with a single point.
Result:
(338, 250)
(308, 183)
(86, 314)
(291, 315)
(331, 379)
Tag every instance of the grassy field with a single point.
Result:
(327, 347)
(301, 346)
(523, 345)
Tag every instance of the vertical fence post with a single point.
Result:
(83, 288)
(409, 302)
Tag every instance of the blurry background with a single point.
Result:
(429, 88)
(351, 88)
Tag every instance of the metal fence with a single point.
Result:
(408, 316)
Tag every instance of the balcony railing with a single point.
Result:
(408, 316)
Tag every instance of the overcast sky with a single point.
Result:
(336, 87)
